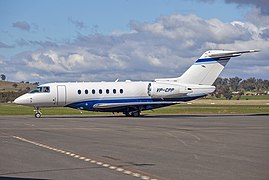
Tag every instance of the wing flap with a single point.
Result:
(128, 104)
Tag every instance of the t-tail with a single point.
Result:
(207, 68)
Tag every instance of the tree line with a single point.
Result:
(227, 87)
(3, 77)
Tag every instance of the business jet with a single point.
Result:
(132, 97)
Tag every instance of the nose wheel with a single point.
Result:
(37, 112)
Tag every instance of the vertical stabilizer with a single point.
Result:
(207, 68)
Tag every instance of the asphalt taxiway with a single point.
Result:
(151, 147)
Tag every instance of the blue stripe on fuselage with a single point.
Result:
(88, 105)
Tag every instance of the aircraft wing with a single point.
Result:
(129, 104)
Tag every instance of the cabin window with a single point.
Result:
(79, 91)
(100, 91)
(114, 91)
(93, 91)
(86, 91)
(121, 91)
(41, 89)
(107, 91)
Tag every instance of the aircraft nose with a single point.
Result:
(22, 100)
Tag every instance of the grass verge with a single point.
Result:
(213, 109)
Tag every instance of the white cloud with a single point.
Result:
(21, 75)
(164, 48)
(192, 28)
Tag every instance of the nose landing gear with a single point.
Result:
(37, 112)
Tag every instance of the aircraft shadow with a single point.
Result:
(154, 116)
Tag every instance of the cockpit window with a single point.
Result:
(46, 89)
(41, 89)
(36, 90)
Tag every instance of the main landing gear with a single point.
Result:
(132, 113)
(37, 112)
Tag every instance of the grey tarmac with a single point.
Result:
(150, 147)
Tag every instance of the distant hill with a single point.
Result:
(11, 90)
(8, 86)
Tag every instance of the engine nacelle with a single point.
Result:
(167, 90)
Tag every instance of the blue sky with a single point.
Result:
(30, 28)
(52, 19)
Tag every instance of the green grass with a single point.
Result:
(261, 97)
(12, 109)
(213, 109)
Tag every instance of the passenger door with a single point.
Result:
(61, 95)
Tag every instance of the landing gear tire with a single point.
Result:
(132, 114)
(38, 115)
(127, 114)
(136, 114)
(37, 112)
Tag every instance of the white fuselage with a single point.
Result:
(84, 95)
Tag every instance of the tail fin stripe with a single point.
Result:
(206, 60)
(211, 60)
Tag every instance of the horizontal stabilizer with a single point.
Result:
(129, 104)
(219, 54)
